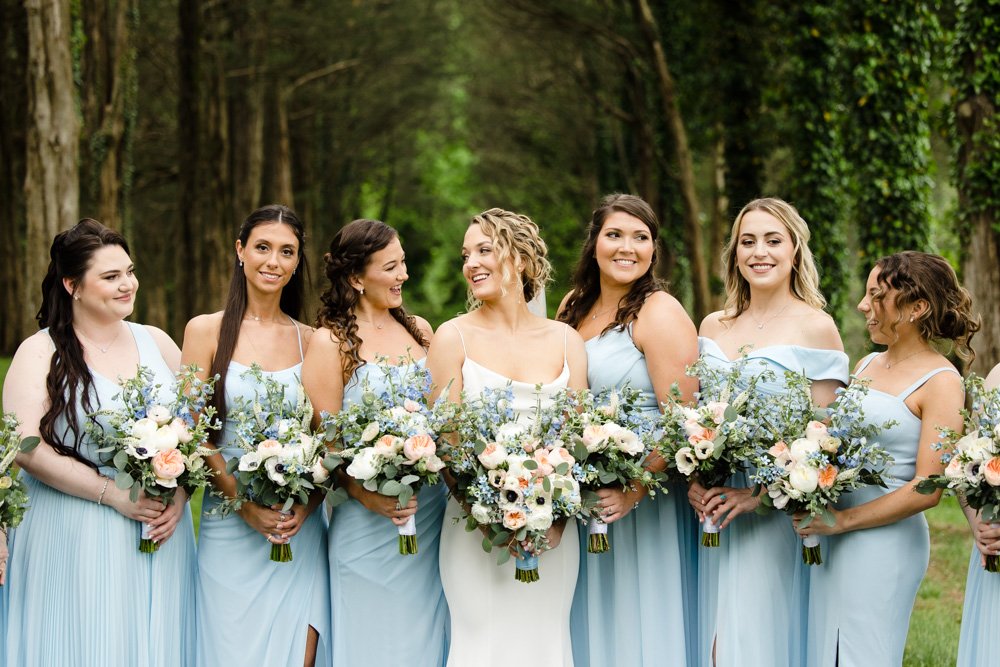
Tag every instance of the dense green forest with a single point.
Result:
(172, 120)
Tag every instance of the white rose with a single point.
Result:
(143, 428)
(399, 413)
(829, 444)
(160, 415)
(480, 513)
(276, 470)
(433, 463)
(181, 429)
(628, 442)
(364, 466)
(268, 448)
(319, 473)
(703, 449)
(164, 438)
(493, 455)
(816, 431)
(686, 461)
(370, 432)
(802, 448)
(249, 461)
(803, 478)
(540, 519)
(595, 436)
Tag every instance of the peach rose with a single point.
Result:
(827, 476)
(417, 447)
(514, 518)
(704, 434)
(777, 448)
(991, 471)
(387, 445)
(168, 465)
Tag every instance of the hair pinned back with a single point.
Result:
(516, 242)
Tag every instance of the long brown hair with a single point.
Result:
(69, 378)
(236, 300)
(587, 277)
(350, 252)
(919, 276)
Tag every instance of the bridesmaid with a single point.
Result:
(773, 308)
(861, 598)
(361, 319)
(493, 616)
(80, 591)
(979, 642)
(252, 610)
(633, 604)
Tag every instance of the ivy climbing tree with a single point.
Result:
(815, 112)
(974, 60)
(889, 47)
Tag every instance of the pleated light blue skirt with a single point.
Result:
(81, 593)
(980, 639)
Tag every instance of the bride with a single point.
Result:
(499, 342)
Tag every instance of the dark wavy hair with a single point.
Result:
(350, 252)
(292, 297)
(587, 277)
(69, 378)
(916, 276)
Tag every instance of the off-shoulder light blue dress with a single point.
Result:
(79, 590)
(388, 609)
(861, 597)
(979, 642)
(758, 615)
(637, 603)
(252, 610)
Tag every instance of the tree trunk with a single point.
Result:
(51, 184)
(682, 157)
(109, 103)
(13, 120)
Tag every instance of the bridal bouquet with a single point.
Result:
(13, 495)
(610, 437)
(389, 440)
(973, 460)
(712, 441)
(810, 464)
(284, 459)
(156, 440)
(515, 477)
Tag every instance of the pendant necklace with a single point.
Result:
(760, 324)
(102, 350)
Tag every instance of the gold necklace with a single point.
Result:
(890, 364)
(601, 312)
(371, 322)
(760, 325)
(103, 350)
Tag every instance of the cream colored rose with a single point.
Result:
(319, 472)
(181, 429)
(365, 465)
(493, 455)
(143, 428)
(595, 437)
(511, 432)
(540, 519)
(514, 518)
(269, 448)
(433, 463)
(159, 414)
(816, 431)
(388, 445)
(802, 448)
(164, 438)
(718, 411)
(370, 432)
(829, 444)
(480, 513)
(803, 478)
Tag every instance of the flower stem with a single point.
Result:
(598, 543)
(148, 546)
(281, 553)
(407, 545)
(709, 539)
(812, 555)
(993, 563)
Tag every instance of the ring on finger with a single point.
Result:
(722, 496)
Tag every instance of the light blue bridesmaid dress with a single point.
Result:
(252, 610)
(979, 642)
(757, 616)
(388, 609)
(637, 603)
(862, 595)
(79, 590)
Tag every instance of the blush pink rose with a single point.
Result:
(168, 465)
(417, 447)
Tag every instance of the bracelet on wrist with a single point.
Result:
(100, 498)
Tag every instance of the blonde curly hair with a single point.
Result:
(804, 278)
(516, 242)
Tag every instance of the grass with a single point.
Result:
(937, 615)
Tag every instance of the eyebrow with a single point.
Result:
(752, 236)
(110, 271)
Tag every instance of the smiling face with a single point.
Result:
(383, 278)
(107, 289)
(624, 249)
(480, 267)
(765, 251)
(270, 256)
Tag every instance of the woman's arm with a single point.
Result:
(940, 402)
(25, 395)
